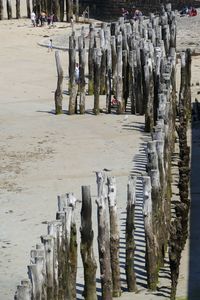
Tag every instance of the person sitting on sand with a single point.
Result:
(192, 12)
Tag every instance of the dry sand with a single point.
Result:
(43, 155)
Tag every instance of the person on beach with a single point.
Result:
(42, 18)
(125, 14)
(33, 18)
(50, 47)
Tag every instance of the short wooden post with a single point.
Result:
(48, 242)
(23, 291)
(87, 252)
(58, 93)
(130, 243)
(114, 237)
(97, 71)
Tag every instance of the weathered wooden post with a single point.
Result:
(58, 93)
(119, 82)
(103, 238)
(23, 291)
(114, 64)
(103, 60)
(114, 237)
(9, 9)
(151, 248)
(37, 272)
(69, 8)
(17, 9)
(82, 58)
(87, 252)
(77, 11)
(92, 45)
(97, 71)
(1, 9)
(73, 84)
(28, 8)
(130, 243)
(56, 5)
(175, 254)
(109, 80)
(62, 8)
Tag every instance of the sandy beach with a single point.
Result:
(44, 155)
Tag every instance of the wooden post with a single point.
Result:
(71, 200)
(73, 84)
(103, 62)
(58, 93)
(114, 65)
(97, 71)
(37, 273)
(23, 291)
(109, 80)
(119, 82)
(87, 252)
(77, 11)
(130, 243)
(48, 242)
(125, 72)
(175, 254)
(57, 9)
(28, 7)
(1, 9)
(151, 249)
(62, 8)
(9, 9)
(82, 58)
(69, 6)
(104, 250)
(17, 9)
(91, 60)
(114, 237)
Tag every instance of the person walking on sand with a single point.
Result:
(33, 18)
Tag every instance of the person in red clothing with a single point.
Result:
(192, 12)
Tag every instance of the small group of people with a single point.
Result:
(188, 11)
(42, 19)
(134, 14)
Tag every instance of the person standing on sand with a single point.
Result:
(50, 47)
(33, 18)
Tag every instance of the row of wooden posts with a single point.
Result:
(53, 267)
(57, 7)
(122, 59)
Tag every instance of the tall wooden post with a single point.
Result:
(91, 60)
(73, 84)
(62, 8)
(130, 243)
(97, 70)
(28, 7)
(69, 6)
(119, 88)
(9, 9)
(1, 9)
(114, 237)
(87, 253)
(58, 93)
(77, 11)
(17, 9)
(82, 58)
(151, 250)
